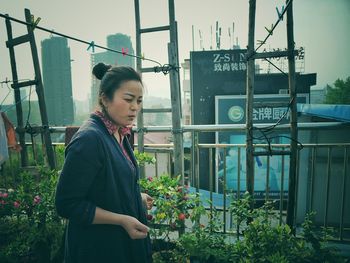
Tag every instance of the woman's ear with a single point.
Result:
(105, 101)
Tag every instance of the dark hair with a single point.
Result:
(111, 79)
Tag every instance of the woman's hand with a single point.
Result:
(135, 228)
(147, 201)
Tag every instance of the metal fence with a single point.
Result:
(322, 178)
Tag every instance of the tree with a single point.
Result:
(340, 93)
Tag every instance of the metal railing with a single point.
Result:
(324, 166)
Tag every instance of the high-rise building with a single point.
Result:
(118, 42)
(57, 80)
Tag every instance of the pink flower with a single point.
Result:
(5, 195)
(150, 178)
(1, 194)
(37, 199)
(2, 202)
(16, 204)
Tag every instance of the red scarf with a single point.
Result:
(113, 128)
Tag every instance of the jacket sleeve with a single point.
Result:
(83, 163)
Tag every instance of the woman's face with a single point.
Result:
(126, 103)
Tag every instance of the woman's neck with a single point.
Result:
(118, 136)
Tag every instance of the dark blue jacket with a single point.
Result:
(97, 173)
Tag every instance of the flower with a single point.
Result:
(5, 195)
(160, 216)
(10, 190)
(181, 217)
(37, 199)
(150, 178)
(149, 217)
(16, 204)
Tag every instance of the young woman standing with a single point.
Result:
(98, 190)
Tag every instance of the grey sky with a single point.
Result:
(321, 26)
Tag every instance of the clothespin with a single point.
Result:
(279, 14)
(124, 51)
(34, 22)
(269, 30)
(92, 46)
(143, 56)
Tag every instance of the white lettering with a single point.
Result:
(217, 67)
(216, 58)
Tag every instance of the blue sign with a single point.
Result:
(268, 170)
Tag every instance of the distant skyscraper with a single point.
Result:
(117, 42)
(57, 79)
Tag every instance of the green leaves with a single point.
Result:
(339, 93)
(31, 229)
(144, 158)
(173, 203)
(263, 238)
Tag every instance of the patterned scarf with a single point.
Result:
(112, 129)
(111, 126)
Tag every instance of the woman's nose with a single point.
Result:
(134, 106)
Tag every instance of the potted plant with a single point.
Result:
(173, 205)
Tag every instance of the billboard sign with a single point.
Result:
(268, 170)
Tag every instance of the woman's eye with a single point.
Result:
(139, 101)
(128, 100)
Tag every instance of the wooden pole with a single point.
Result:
(140, 124)
(175, 95)
(250, 99)
(293, 119)
(19, 110)
(40, 94)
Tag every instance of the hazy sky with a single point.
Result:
(321, 26)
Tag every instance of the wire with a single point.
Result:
(86, 42)
(10, 107)
(29, 108)
(290, 138)
(274, 26)
(29, 129)
(265, 131)
(165, 68)
(8, 93)
(280, 70)
(271, 127)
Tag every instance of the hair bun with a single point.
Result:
(100, 70)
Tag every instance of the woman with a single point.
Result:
(98, 189)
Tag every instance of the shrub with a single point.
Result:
(30, 228)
